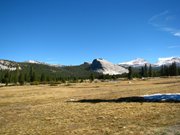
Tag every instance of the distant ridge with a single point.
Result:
(99, 65)
(139, 62)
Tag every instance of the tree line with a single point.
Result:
(149, 71)
(32, 76)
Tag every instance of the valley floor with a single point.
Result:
(54, 110)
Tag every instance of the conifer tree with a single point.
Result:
(142, 72)
(21, 79)
(16, 75)
(43, 77)
(145, 71)
(0, 76)
(130, 73)
(34, 78)
(6, 78)
(26, 77)
(174, 69)
(31, 74)
(162, 72)
(91, 77)
(166, 71)
(150, 71)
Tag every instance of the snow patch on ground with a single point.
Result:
(162, 97)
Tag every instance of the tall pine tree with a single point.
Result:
(142, 72)
(145, 71)
(174, 69)
(32, 75)
(162, 72)
(150, 71)
(21, 79)
(43, 78)
(6, 78)
(130, 73)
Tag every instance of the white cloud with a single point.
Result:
(163, 20)
(174, 46)
(177, 34)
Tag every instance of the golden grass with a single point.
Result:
(44, 110)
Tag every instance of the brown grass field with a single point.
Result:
(46, 110)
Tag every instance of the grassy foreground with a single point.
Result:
(46, 110)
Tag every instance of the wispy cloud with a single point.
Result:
(174, 46)
(164, 21)
(177, 34)
(153, 19)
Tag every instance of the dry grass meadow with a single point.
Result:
(46, 110)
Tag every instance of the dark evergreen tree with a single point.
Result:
(162, 71)
(142, 72)
(47, 78)
(6, 78)
(31, 74)
(91, 77)
(43, 78)
(145, 71)
(34, 78)
(21, 79)
(166, 71)
(150, 71)
(81, 80)
(16, 75)
(174, 69)
(0, 76)
(26, 77)
(130, 73)
(74, 80)
(63, 80)
(114, 77)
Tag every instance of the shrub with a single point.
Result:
(34, 83)
(52, 83)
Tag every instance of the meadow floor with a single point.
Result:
(51, 110)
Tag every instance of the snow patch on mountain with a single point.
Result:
(8, 65)
(105, 67)
(168, 61)
(33, 62)
(139, 62)
(43, 63)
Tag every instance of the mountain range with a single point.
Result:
(100, 66)
(139, 62)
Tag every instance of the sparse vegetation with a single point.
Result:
(43, 109)
(34, 83)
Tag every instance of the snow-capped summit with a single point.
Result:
(105, 67)
(139, 62)
(168, 61)
(34, 62)
(43, 63)
(8, 65)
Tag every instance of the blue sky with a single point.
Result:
(74, 31)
